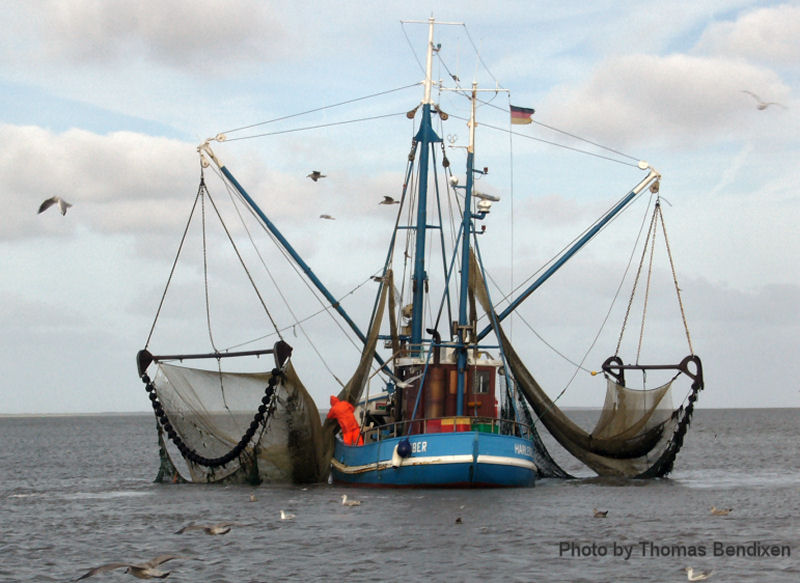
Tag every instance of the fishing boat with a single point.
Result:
(454, 404)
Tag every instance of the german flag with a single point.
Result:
(521, 115)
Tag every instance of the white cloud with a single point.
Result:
(766, 35)
(193, 34)
(638, 98)
(117, 182)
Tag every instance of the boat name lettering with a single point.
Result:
(419, 447)
(522, 449)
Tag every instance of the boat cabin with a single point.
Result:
(431, 406)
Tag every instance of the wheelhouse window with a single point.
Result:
(481, 382)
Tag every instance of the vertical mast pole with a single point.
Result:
(425, 137)
(466, 228)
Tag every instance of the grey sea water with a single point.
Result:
(76, 492)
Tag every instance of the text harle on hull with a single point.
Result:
(458, 406)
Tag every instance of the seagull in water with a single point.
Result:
(63, 205)
(286, 515)
(139, 570)
(316, 175)
(389, 200)
(346, 502)
(761, 105)
(720, 511)
(693, 575)
(219, 528)
(600, 513)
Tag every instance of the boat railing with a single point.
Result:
(447, 425)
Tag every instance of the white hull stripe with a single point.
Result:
(506, 461)
(465, 459)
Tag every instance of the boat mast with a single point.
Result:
(425, 137)
(466, 233)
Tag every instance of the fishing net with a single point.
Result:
(546, 466)
(239, 427)
(351, 392)
(638, 433)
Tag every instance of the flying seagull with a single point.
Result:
(219, 528)
(389, 200)
(346, 502)
(720, 511)
(761, 104)
(315, 175)
(139, 570)
(600, 513)
(328, 217)
(693, 575)
(63, 205)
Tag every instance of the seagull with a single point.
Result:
(316, 175)
(693, 575)
(600, 513)
(720, 511)
(286, 515)
(346, 502)
(63, 205)
(219, 528)
(253, 496)
(328, 217)
(139, 570)
(762, 105)
(458, 520)
(389, 200)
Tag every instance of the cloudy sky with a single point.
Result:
(104, 103)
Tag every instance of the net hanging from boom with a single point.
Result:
(232, 426)
(638, 433)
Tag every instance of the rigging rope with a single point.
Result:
(347, 102)
(205, 260)
(242, 262)
(646, 294)
(675, 280)
(175, 262)
(325, 306)
(317, 126)
(480, 58)
(411, 46)
(651, 237)
(556, 144)
(555, 129)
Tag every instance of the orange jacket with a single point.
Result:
(343, 412)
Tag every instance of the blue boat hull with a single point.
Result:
(458, 459)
